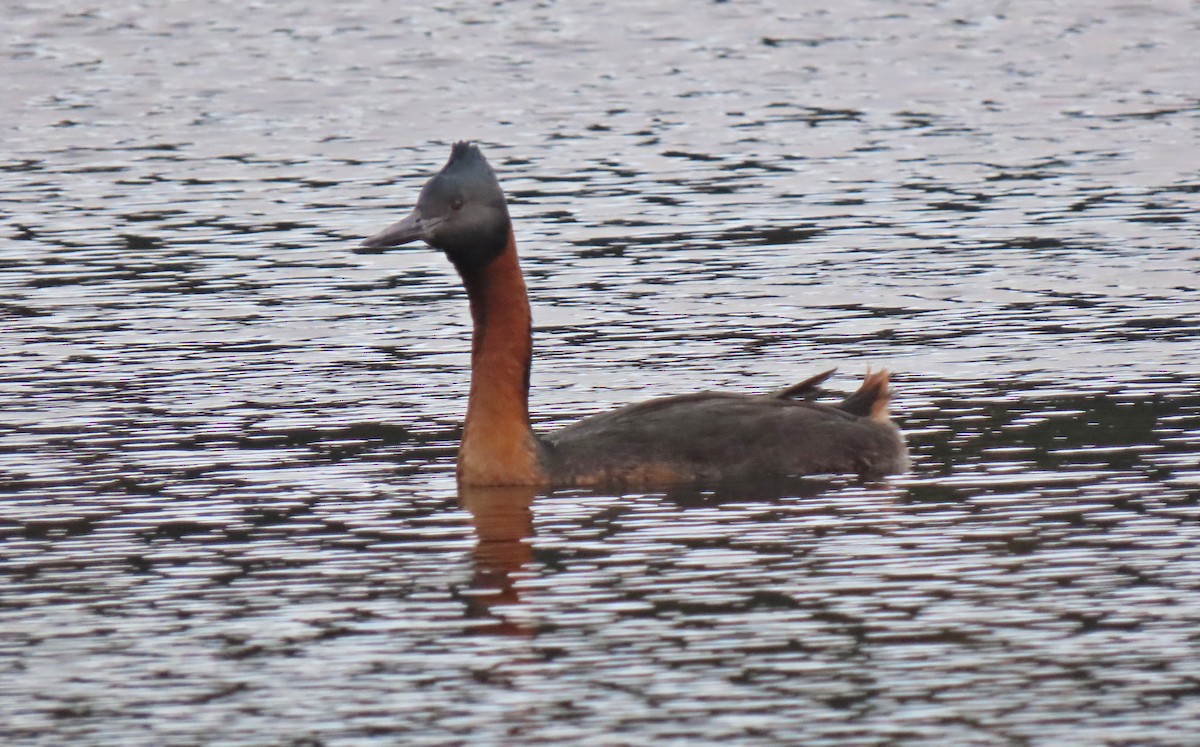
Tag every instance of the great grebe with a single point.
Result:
(700, 437)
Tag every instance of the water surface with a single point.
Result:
(229, 513)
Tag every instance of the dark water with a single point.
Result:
(229, 514)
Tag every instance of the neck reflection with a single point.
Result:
(503, 523)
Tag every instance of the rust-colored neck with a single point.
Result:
(498, 445)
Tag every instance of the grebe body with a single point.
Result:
(700, 437)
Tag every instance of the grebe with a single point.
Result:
(701, 437)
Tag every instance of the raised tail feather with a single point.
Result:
(872, 398)
(806, 389)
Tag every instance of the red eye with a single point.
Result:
(456, 204)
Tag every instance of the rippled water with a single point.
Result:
(229, 513)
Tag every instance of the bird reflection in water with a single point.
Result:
(503, 524)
